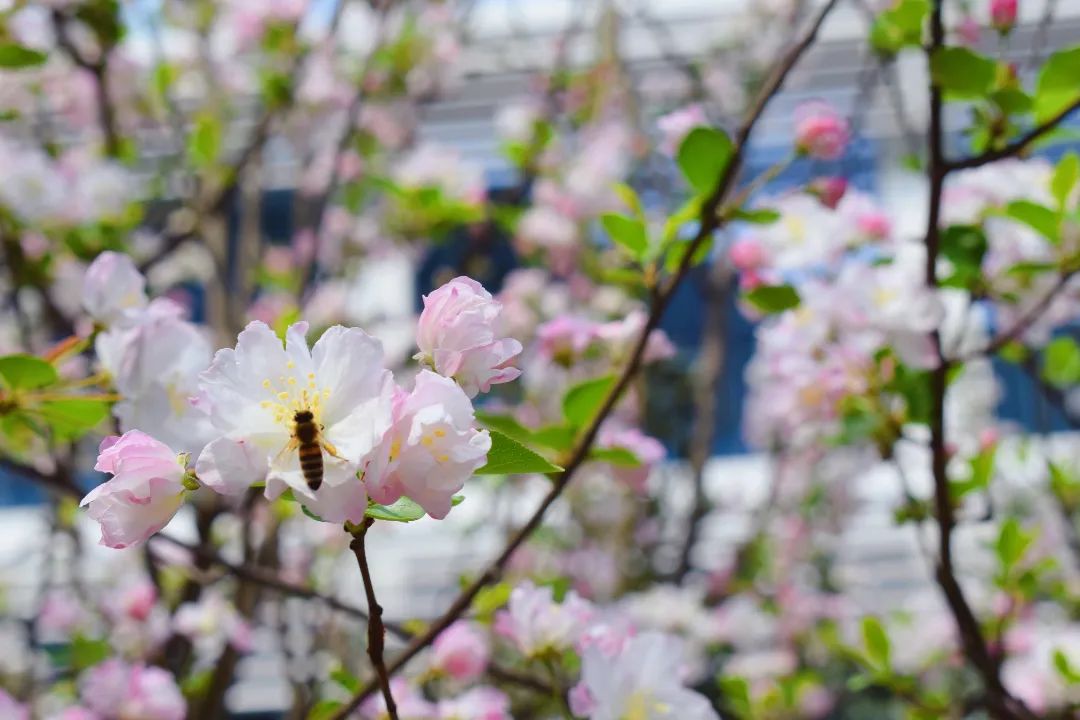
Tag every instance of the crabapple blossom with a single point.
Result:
(457, 334)
(114, 689)
(460, 651)
(411, 704)
(253, 391)
(478, 703)
(676, 125)
(829, 190)
(538, 625)
(431, 447)
(648, 450)
(144, 493)
(114, 290)
(211, 623)
(820, 131)
(11, 708)
(641, 681)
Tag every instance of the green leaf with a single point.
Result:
(1058, 85)
(964, 246)
(1065, 176)
(628, 232)
(630, 198)
(555, 437)
(582, 401)
(13, 57)
(757, 216)
(899, 26)
(346, 679)
(618, 456)
(87, 653)
(1070, 674)
(509, 457)
(505, 424)
(26, 372)
(1012, 543)
(877, 642)
(736, 693)
(1061, 362)
(74, 416)
(490, 599)
(773, 298)
(703, 156)
(205, 141)
(324, 709)
(405, 509)
(962, 73)
(1041, 219)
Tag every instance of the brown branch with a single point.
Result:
(1024, 322)
(99, 69)
(376, 635)
(1000, 703)
(709, 222)
(1015, 147)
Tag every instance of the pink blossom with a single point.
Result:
(675, 126)
(431, 448)
(137, 600)
(144, 493)
(565, 337)
(820, 131)
(461, 651)
(622, 335)
(113, 289)
(116, 690)
(968, 31)
(648, 451)
(479, 703)
(829, 190)
(457, 336)
(410, 703)
(77, 712)
(11, 709)
(60, 613)
(1003, 14)
(874, 225)
(537, 624)
(747, 254)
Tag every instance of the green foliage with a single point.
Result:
(404, 510)
(26, 372)
(509, 457)
(87, 653)
(773, 298)
(582, 401)
(490, 599)
(72, 417)
(324, 709)
(876, 644)
(1061, 362)
(1012, 543)
(204, 143)
(630, 233)
(346, 680)
(757, 216)
(981, 470)
(962, 73)
(617, 456)
(964, 246)
(900, 26)
(703, 157)
(1065, 176)
(736, 692)
(1058, 85)
(1041, 219)
(15, 57)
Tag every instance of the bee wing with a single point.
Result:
(292, 445)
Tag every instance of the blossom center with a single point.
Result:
(290, 394)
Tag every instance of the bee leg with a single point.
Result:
(331, 450)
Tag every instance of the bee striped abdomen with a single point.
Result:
(311, 464)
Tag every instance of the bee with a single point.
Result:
(307, 440)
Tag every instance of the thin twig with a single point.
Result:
(376, 636)
(709, 222)
(1024, 322)
(1017, 146)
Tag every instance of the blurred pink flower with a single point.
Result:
(1003, 14)
(116, 690)
(676, 125)
(820, 131)
(113, 289)
(461, 651)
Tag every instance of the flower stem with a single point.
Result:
(376, 630)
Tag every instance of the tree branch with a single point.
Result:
(376, 635)
(709, 222)
(1017, 146)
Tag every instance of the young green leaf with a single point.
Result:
(1061, 362)
(1065, 176)
(962, 73)
(509, 457)
(620, 457)
(773, 298)
(74, 416)
(205, 141)
(1012, 543)
(1058, 85)
(1041, 219)
(14, 57)
(703, 156)
(757, 216)
(628, 232)
(877, 643)
(583, 400)
(26, 372)
(405, 509)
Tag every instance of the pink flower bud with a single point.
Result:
(874, 225)
(1003, 15)
(820, 131)
(829, 190)
(747, 254)
(461, 652)
(968, 31)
